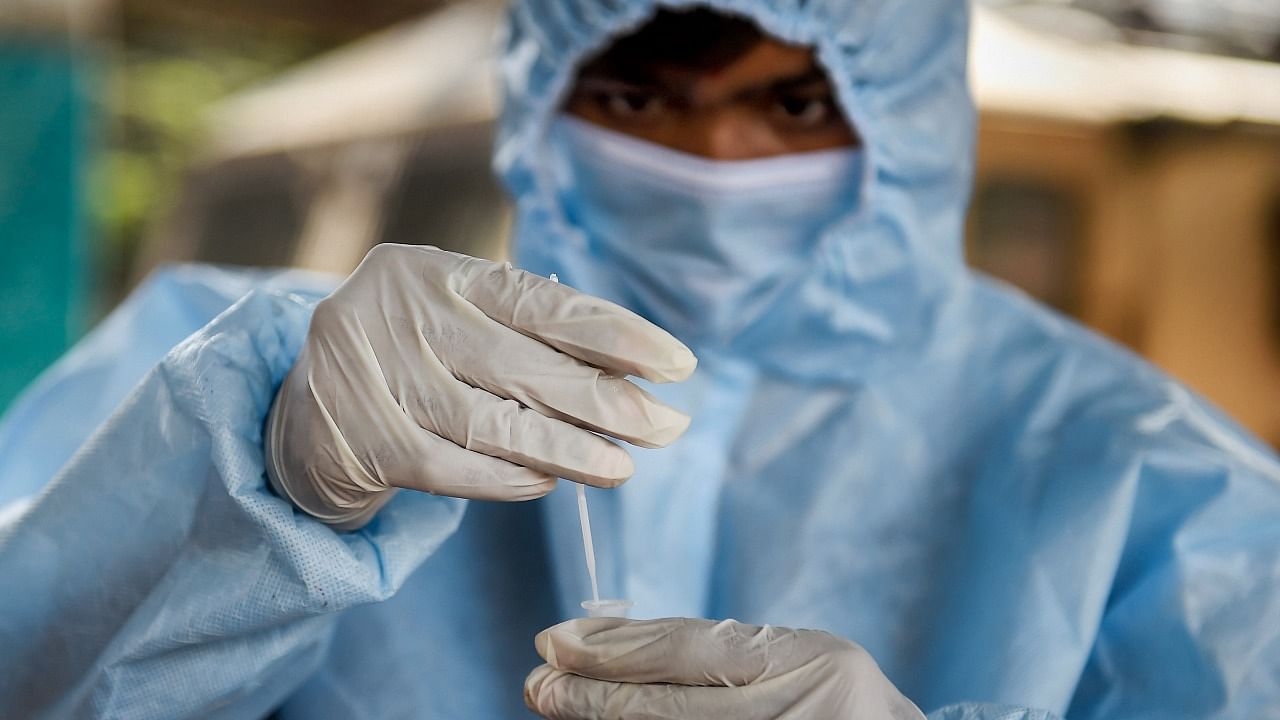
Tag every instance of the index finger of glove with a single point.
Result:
(682, 651)
(591, 329)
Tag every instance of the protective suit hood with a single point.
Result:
(879, 276)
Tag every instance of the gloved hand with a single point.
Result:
(613, 669)
(457, 376)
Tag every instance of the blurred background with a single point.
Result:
(1128, 167)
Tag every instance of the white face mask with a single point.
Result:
(699, 246)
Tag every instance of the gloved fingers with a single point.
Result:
(558, 695)
(686, 651)
(364, 442)
(591, 329)
(416, 459)
(451, 333)
(481, 422)
(448, 372)
(510, 365)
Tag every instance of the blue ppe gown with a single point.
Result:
(1016, 518)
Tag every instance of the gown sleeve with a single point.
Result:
(155, 575)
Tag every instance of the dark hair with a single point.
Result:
(694, 39)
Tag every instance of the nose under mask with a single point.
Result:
(700, 247)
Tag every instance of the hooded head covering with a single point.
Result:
(879, 275)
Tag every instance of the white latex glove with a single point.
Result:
(680, 669)
(457, 376)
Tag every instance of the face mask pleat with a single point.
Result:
(699, 246)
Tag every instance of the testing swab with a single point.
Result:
(595, 607)
(584, 519)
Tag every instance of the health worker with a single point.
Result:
(865, 482)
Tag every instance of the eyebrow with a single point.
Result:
(615, 74)
(603, 80)
(813, 77)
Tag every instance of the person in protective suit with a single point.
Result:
(912, 488)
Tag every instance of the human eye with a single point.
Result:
(630, 104)
(806, 111)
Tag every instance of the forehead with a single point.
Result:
(699, 44)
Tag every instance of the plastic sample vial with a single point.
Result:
(607, 608)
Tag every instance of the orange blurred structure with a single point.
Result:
(1138, 189)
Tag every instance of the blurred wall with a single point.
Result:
(1135, 189)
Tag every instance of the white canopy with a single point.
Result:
(1017, 70)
